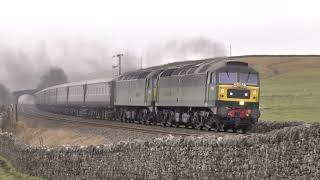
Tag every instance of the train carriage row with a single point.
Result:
(213, 93)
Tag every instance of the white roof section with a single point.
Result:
(79, 83)
(95, 81)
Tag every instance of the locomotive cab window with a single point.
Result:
(213, 78)
(228, 77)
(249, 78)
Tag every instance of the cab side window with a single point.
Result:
(213, 78)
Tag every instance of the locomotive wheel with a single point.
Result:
(195, 121)
(144, 119)
(216, 126)
(200, 124)
(154, 122)
(216, 129)
(123, 117)
(171, 120)
(164, 123)
(150, 120)
(234, 130)
(244, 129)
(162, 120)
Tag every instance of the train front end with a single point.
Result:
(238, 94)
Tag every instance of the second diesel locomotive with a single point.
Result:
(217, 94)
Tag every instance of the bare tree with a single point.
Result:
(4, 94)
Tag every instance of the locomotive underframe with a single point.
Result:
(189, 117)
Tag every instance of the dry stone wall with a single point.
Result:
(288, 153)
(267, 126)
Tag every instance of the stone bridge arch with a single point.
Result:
(18, 94)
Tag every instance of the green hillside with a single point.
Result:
(290, 87)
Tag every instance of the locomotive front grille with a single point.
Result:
(238, 93)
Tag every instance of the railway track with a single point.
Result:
(62, 119)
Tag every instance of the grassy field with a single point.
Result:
(7, 172)
(290, 87)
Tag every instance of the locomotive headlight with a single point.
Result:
(231, 93)
(246, 94)
(241, 103)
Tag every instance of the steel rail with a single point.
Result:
(96, 124)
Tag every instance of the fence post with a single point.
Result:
(16, 109)
(1, 122)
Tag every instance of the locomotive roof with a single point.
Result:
(188, 67)
(176, 68)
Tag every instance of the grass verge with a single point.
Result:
(8, 172)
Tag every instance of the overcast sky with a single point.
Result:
(250, 26)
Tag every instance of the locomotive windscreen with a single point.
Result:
(249, 78)
(235, 77)
(228, 77)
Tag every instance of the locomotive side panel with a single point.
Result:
(193, 90)
(168, 91)
(185, 91)
(122, 93)
(136, 92)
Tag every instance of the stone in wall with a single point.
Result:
(267, 126)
